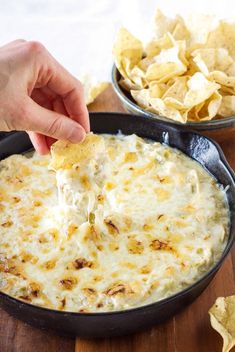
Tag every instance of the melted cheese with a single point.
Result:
(131, 223)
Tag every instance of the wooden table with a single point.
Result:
(189, 331)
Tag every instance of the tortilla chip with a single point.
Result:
(199, 90)
(201, 65)
(177, 90)
(157, 89)
(225, 90)
(171, 95)
(192, 67)
(175, 26)
(222, 79)
(65, 155)
(137, 77)
(127, 51)
(189, 65)
(199, 27)
(166, 65)
(142, 97)
(222, 316)
(161, 108)
(180, 31)
(227, 107)
(208, 109)
(212, 59)
(127, 84)
(182, 51)
(193, 114)
(223, 37)
(155, 46)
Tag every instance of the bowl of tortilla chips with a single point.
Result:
(185, 75)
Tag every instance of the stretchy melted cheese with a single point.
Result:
(119, 222)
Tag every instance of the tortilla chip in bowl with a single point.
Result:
(184, 75)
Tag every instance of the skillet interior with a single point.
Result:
(124, 322)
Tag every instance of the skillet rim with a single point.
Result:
(162, 302)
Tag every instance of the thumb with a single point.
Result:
(52, 124)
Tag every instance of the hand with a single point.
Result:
(39, 96)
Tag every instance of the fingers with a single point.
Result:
(49, 100)
(55, 80)
(71, 91)
(39, 142)
(13, 43)
(56, 109)
(58, 106)
(74, 102)
(44, 72)
(50, 141)
(41, 98)
(52, 124)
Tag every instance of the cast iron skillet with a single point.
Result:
(117, 323)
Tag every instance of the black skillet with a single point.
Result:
(117, 323)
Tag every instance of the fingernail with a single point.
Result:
(77, 135)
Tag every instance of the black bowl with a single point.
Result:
(200, 148)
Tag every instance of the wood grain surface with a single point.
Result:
(188, 331)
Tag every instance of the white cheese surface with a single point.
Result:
(136, 223)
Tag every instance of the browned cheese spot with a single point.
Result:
(97, 278)
(100, 247)
(92, 233)
(63, 304)
(71, 230)
(81, 263)
(68, 283)
(9, 265)
(100, 198)
(85, 182)
(26, 257)
(26, 298)
(114, 246)
(130, 157)
(160, 245)
(50, 264)
(83, 310)
(160, 216)
(146, 269)
(118, 288)
(112, 228)
(37, 203)
(34, 289)
(7, 224)
(134, 246)
(89, 291)
(147, 227)
(16, 199)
